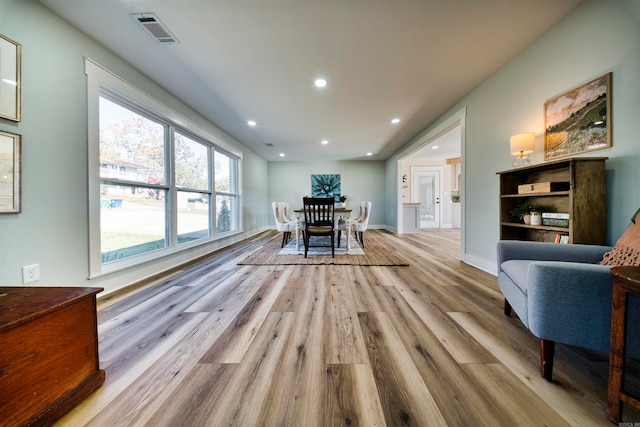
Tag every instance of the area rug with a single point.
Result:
(323, 247)
(374, 253)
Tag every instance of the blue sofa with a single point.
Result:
(562, 295)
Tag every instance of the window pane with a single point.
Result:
(192, 167)
(224, 173)
(193, 216)
(132, 221)
(131, 145)
(225, 213)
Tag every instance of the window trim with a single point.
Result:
(101, 80)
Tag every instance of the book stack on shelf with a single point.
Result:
(555, 219)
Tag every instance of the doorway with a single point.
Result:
(442, 146)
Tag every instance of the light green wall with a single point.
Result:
(597, 38)
(359, 180)
(52, 228)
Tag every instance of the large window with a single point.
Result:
(162, 185)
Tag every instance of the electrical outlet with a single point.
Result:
(30, 273)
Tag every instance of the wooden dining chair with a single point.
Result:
(318, 221)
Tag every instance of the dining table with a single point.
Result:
(338, 213)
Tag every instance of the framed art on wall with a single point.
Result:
(326, 185)
(10, 60)
(579, 120)
(9, 172)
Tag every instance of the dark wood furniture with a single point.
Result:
(48, 352)
(342, 213)
(319, 220)
(576, 186)
(625, 280)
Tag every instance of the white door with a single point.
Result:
(425, 189)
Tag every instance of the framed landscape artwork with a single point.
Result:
(579, 120)
(9, 172)
(10, 57)
(326, 185)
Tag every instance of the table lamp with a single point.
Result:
(521, 145)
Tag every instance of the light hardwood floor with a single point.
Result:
(219, 344)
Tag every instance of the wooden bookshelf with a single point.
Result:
(584, 200)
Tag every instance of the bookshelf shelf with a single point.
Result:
(563, 230)
(526, 196)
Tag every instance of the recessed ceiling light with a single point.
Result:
(282, 154)
(435, 147)
(369, 153)
(251, 123)
(324, 142)
(320, 82)
(395, 121)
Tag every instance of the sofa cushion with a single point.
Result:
(627, 249)
(517, 270)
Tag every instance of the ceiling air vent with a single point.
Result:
(269, 144)
(155, 27)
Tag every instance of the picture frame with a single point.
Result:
(10, 175)
(579, 120)
(10, 79)
(326, 185)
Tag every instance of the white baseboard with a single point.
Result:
(480, 263)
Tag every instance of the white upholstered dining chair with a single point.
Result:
(359, 224)
(284, 223)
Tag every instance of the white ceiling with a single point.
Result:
(241, 60)
(443, 147)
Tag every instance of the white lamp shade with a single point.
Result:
(522, 143)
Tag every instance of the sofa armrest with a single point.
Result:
(545, 251)
(570, 302)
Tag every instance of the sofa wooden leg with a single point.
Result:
(507, 308)
(547, 349)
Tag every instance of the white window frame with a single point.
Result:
(99, 81)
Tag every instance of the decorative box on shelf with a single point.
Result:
(555, 219)
(542, 187)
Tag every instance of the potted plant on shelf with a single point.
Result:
(523, 211)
